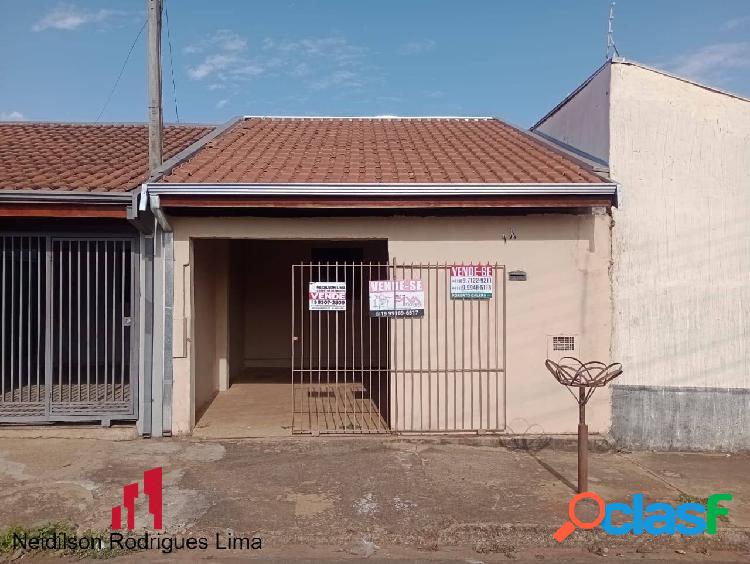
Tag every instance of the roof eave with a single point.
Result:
(52, 195)
(383, 189)
(66, 204)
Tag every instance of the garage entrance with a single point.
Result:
(270, 313)
(67, 326)
(242, 294)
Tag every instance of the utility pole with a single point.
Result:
(155, 117)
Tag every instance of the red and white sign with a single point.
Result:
(473, 281)
(396, 298)
(327, 296)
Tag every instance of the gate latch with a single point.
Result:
(127, 321)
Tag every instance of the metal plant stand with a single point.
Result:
(587, 377)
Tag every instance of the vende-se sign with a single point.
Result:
(471, 281)
(327, 296)
(396, 298)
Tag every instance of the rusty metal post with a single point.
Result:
(583, 443)
(587, 377)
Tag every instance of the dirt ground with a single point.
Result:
(381, 498)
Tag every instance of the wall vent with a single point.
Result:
(559, 346)
(564, 343)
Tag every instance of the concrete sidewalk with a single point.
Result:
(344, 495)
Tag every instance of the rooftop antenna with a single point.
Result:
(611, 48)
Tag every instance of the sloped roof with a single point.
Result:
(268, 150)
(83, 157)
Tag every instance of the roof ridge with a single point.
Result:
(378, 117)
(103, 124)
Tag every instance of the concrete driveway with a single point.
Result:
(370, 496)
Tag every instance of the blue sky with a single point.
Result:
(512, 59)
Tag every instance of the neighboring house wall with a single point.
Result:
(682, 269)
(567, 292)
(583, 122)
(681, 261)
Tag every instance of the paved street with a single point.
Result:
(376, 497)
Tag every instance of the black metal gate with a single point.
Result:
(441, 370)
(67, 328)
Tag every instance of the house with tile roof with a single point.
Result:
(301, 275)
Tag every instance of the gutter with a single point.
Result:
(66, 196)
(198, 189)
(156, 209)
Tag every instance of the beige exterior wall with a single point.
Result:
(682, 236)
(211, 334)
(566, 258)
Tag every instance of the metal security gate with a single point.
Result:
(67, 328)
(442, 371)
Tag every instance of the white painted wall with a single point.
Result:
(583, 121)
(681, 242)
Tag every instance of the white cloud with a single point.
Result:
(736, 23)
(335, 49)
(12, 116)
(211, 65)
(69, 17)
(222, 40)
(418, 46)
(341, 77)
(225, 59)
(221, 103)
(301, 69)
(713, 63)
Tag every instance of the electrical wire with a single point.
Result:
(122, 70)
(171, 64)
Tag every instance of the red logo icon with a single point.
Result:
(153, 490)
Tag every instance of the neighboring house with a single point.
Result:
(680, 153)
(305, 276)
(69, 317)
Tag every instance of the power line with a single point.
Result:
(171, 64)
(122, 70)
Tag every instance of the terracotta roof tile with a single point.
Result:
(83, 156)
(374, 150)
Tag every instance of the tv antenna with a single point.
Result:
(611, 48)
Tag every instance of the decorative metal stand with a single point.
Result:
(587, 377)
